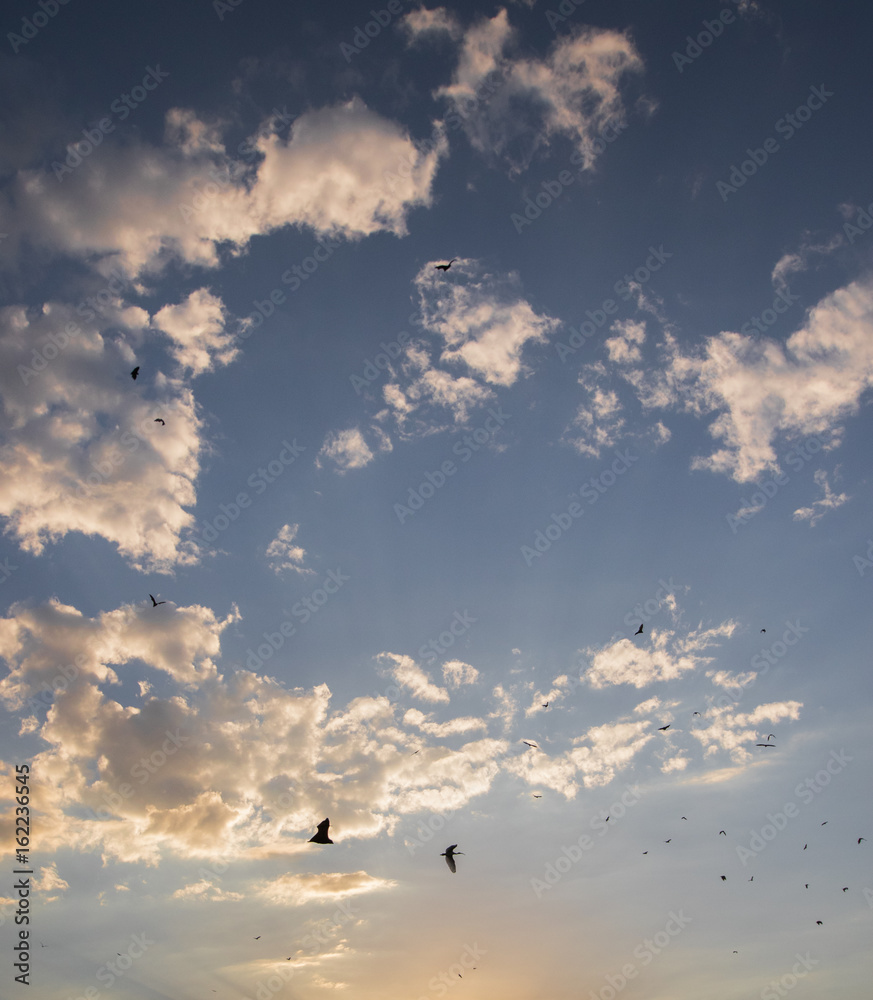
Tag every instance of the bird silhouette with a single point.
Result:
(845, 888)
(772, 736)
(545, 704)
(765, 744)
(668, 841)
(449, 854)
(639, 631)
(805, 846)
(414, 752)
(156, 603)
(134, 373)
(159, 420)
(258, 938)
(806, 885)
(321, 837)
(721, 833)
(445, 267)
(683, 817)
(661, 729)
(860, 839)
(533, 746)
(752, 879)
(537, 796)
(696, 713)
(819, 923)
(825, 823)
(763, 630)
(724, 878)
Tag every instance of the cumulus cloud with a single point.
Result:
(456, 674)
(347, 449)
(345, 171)
(406, 673)
(283, 554)
(763, 391)
(80, 447)
(666, 657)
(737, 732)
(197, 329)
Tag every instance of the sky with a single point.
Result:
(495, 473)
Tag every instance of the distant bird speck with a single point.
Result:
(668, 841)
(156, 603)
(449, 854)
(445, 267)
(724, 878)
(662, 729)
(825, 823)
(159, 420)
(134, 373)
(765, 744)
(639, 631)
(721, 833)
(860, 839)
(545, 704)
(321, 836)
(533, 746)
(819, 923)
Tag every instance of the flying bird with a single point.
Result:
(449, 854)
(661, 729)
(645, 852)
(159, 420)
(532, 745)
(805, 846)
(156, 603)
(721, 833)
(724, 878)
(668, 841)
(860, 839)
(683, 817)
(414, 752)
(545, 704)
(134, 373)
(537, 796)
(639, 631)
(806, 885)
(752, 879)
(696, 713)
(845, 888)
(765, 744)
(445, 267)
(772, 736)
(825, 823)
(819, 923)
(763, 630)
(258, 938)
(321, 837)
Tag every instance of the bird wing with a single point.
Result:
(450, 861)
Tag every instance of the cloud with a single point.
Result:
(666, 657)
(406, 673)
(137, 206)
(421, 23)
(80, 447)
(293, 889)
(456, 674)
(762, 391)
(284, 554)
(482, 319)
(347, 449)
(736, 731)
(830, 501)
(197, 329)
(510, 106)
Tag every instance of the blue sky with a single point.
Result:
(407, 521)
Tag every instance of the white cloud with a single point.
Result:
(830, 501)
(666, 657)
(284, 554)
(197, 330)
(345, 172)
(406, 673)
(81, 450)
(510, 106)
(457, 673)
(347, 449)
